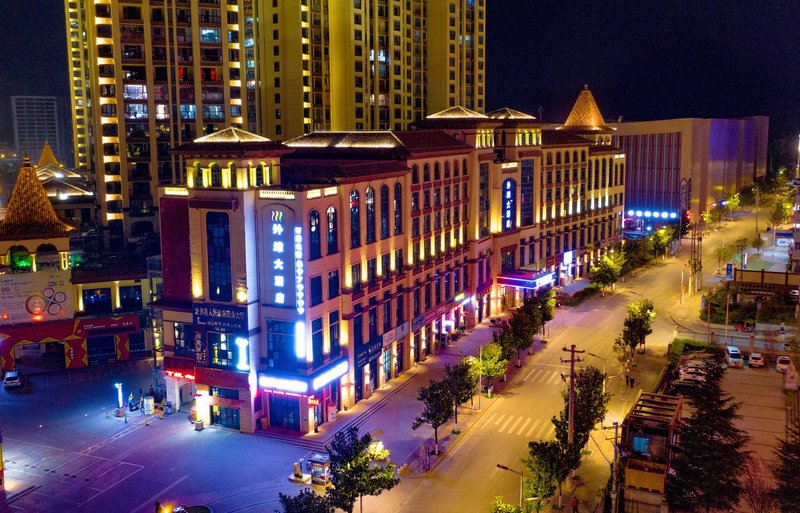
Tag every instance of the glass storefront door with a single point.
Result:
(387, 365)
(284, 412)
(226, 417)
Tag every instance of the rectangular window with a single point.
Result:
(400, 310)
(220, 346)
(97, 301)
(526, 193)
(333, 284)
(387, 311)
(317, 341)
(372, 272)
(280, 345)
(316, 290)
(184, 339)
(355, 277)
(219, 256)
(483, 199)
(333, 332)
(130, 297)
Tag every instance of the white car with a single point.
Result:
(12, 379)
(782, 365)
(733, 357)
(755, 360)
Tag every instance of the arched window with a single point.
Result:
(259, 175)
(455, 168)
(369, 198)
(558, 157)
(566, 157)
(464, 167)
(446, 170)
(355, 219)
(198, 175)
(575, 157)
(314, 249)
(414, 174)
(549, 159)
(398, 209)
(509, 204)
(216, 175)
(234, 177)
(333, 231)
(426, 173)
(436, 173)
(384, 211)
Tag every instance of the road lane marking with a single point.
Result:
(503, 428)
(149, 502)
(533, 428)
(554, 378)
(496, 422)
(525, 378)
(522, 427)
(514, 425)
(550, 432)
(539, 373)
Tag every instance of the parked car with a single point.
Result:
(755, 360)
(782, 365)
(733, 357)
(12, 379)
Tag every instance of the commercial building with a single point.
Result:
(690, 164)
(68, 192)
(149, 75)
(300, 277)
(37, 120)
(50, 302)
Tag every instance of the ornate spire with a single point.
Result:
(30, 215)
(585, 115)
(47, 157)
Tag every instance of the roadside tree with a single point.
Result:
(638, 323)
(591, 406)
(551, 462)
(758, 243)
(523, 327)
(780, 212)
(661, 239)
(461, 380)
(436, 410)
(307, 501)
(492, 362)
(607, 271)
(353, 473)
(787, 470)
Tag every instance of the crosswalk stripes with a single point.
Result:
(554, 378)
(519, 425)
(544, 376)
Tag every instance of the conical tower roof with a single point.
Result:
(30, 215)
(47, 157)
(585, 116)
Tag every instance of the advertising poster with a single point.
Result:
(35, 297)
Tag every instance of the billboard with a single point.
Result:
(35, 297)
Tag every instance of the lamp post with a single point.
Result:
(118, 386)
(604, 369)
(521, 479)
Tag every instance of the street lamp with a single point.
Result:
(521, 479)
(118, 386)
(604, 369)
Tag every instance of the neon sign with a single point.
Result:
(242, 343)
(299, 271)
(509, 204)
(284, 384)
(179, 375)
(278, 262)
(337, 371)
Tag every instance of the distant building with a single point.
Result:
(68, 191)
(690, 164)
(36, 121)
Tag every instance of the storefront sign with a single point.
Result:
(225, 317)
(368, 351)
(328, 375)
(221, 378)
(108, 325)
(534, 281)
(179, 374)
(285, 272)
(417, 323)
(35, 297)
(550, 261)
(395, 334)
(200, 353)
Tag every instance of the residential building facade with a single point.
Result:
(38, 120)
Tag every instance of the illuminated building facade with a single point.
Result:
(300, 277)
(149, 75)
(146, 76)
(690, 164)
(49, 302)
(368, 65)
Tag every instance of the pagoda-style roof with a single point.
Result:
(47, 157)
(585, 116)
(507, 113)
(457, 112)
(30, 215)
(372, 139)
(229, 135)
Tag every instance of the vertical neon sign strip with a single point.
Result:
(299, 271)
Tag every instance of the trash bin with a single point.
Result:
(198, 425)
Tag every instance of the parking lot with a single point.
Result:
(763, 411)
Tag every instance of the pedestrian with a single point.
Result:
(627, 381)
(140, 392)
(152, 392)
(633, 382)
(158, 507)
(573, 502)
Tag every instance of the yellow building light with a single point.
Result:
(330, 191)
(275, 194)
(316, 193)
(113, 216)
(176, 191)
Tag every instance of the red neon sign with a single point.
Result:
(179, 375)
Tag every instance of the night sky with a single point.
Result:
(642, 60)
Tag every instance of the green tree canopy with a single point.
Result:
(462, 381)
(591, 406)
(437, 408)
(353, 473)
(787, 470)
(523, 327)
(608, 269)
(780, 212)
(551, 462)
(492, 362)
(305, 502)
(638, 323)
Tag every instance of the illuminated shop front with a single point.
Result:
(301, 403)
(524, 283)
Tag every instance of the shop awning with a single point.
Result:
(525, 279)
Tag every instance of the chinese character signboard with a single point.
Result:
(220, 317)
(284, 257)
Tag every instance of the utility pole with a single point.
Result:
(614, 470)
(757, 191)
(572, 361)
